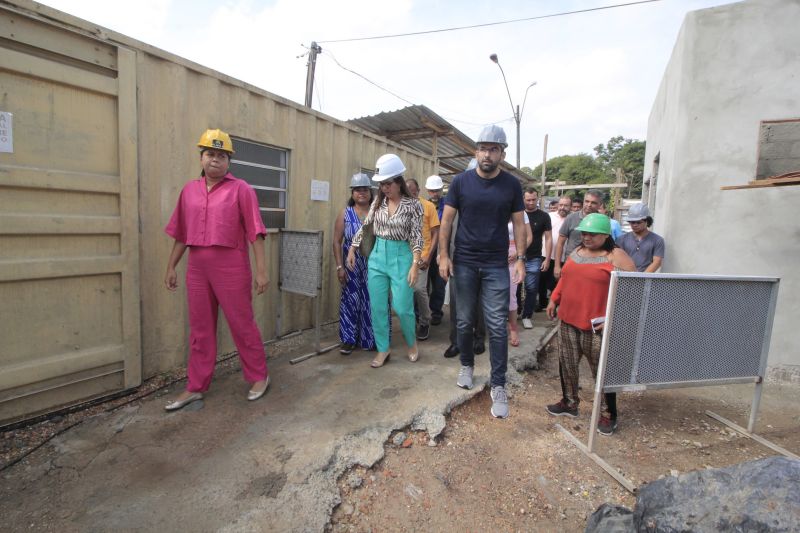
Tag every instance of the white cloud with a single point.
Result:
(145, 20)
(597, 73)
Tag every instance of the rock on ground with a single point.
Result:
(757, 496)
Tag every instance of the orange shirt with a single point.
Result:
(430, 220)
(582, 290)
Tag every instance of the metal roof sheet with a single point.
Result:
(423, 130)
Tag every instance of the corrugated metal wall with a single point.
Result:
(69, 270)
(86, 194)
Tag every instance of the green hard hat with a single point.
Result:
(595, 223)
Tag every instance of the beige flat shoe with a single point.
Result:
(178, 404)
(254, 395)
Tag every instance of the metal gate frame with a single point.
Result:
(600, 386)
(300, 272)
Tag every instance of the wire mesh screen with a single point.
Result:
(687, 329)
(301, 262)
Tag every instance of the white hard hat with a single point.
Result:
(434, 183)
(637, 212)
(493, 134)
(388, 166)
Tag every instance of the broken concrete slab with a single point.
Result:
(236, 465)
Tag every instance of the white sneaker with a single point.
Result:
(499, 402)
(526, 323)
(465, 377)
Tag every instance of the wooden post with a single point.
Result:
(544, 169)
(616, 194)
(435, 150)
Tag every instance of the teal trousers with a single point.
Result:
(387, 267)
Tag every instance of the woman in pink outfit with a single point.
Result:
(216, 217)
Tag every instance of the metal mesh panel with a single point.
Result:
(679, 330)
(301, 262)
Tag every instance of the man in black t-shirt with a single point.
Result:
(486, 199)
(535, 263)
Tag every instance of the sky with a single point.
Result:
(596, 73)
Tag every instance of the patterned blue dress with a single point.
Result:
(355, 318)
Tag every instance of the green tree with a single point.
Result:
(585, 169)
(625, 154)
(573, 169)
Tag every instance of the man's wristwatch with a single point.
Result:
(339, 267)
(520, 258)
(420, 262)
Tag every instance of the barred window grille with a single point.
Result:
(265, 168)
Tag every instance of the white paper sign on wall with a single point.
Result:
(6, 132)
(320, 190)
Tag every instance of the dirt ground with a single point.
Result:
(522, 474)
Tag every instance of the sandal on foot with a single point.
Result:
(380, 361)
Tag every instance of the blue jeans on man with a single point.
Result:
(533, 270)
(488, 287)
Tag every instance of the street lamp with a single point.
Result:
(515, 111)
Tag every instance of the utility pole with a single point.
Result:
(312, 65)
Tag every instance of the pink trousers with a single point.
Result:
(219, 276)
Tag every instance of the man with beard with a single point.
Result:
(569, 237)
(485, 199)
(537, 256)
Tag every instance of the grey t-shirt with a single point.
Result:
(642, 252)
(573, 235)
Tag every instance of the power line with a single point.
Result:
(328, 53)
(368, 80)
(552, 15)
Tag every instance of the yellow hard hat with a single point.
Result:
(216, 139)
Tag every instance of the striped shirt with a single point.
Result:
(404, 225)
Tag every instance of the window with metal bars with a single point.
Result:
(265, 168)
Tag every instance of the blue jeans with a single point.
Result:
(491, 286)
(533, 270)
